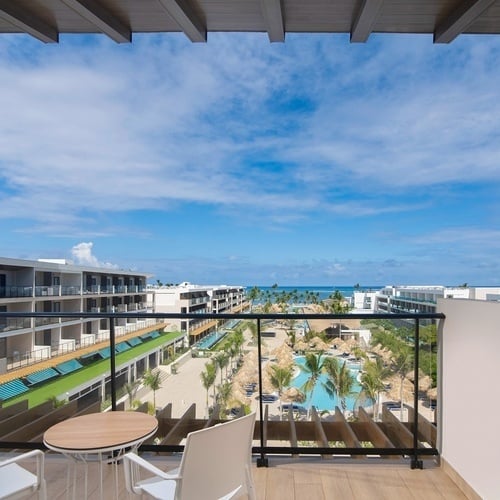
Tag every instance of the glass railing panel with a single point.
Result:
(353, 379)
(9, 324)
(16, 291)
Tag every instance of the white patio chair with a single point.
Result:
(216, 464)
(17, 482)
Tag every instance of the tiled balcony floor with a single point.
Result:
(290, 479)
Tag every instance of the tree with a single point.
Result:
(208, 378)
(280, 379)
(152, 379)
(290, 331)
(131, 390)
(372, 382)
(313, 366)
(221, 360)
(252, 326)
(225, 390)
(402, 361)
(253, 294)
(338, 303)
(340, 381)
(238, 338)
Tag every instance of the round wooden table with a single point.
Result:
(106, 435)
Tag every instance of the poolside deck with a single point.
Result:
(289, 479)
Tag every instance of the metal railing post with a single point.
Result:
(112, 361)
(415, 462)
(262, 461)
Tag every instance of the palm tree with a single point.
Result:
(238, 338)
(221, 360)
(290, 325)
(402, 361)
(252, 295)
(152, 379)
(372, 382)
(338, 304)
(280, 379)
(131, 390)
(340, 381)
(208, 378)
(233, 351)
(313, 366)
(225, 390)
(252, 326)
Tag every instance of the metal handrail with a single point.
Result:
(415, 452)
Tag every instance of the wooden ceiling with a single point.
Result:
(120, 19)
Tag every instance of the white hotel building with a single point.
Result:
(189, 298)
(54, 286)
(416, 298)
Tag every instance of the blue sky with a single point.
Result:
(238, 161)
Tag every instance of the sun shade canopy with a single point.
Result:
(11, 389)
(42, 376)
(443, 19)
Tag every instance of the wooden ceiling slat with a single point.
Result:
(189, 22)
(458, 21)
(96, 14)
(119, 19)
(365, 20)
(27, 22)
(273, 15)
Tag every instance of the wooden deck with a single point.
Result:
(289, 479)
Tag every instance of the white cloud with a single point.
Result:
(82, 253)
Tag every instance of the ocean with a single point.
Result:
(323, 291)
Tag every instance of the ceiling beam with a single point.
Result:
(187, 19)
(92, 11)
(363, 24)
(456, 23)
(273, 16)
(27, 23)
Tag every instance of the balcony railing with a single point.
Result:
(16, 291)
(404, 426)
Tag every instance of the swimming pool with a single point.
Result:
(321, 400)
(211, 339)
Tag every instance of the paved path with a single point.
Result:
(185, 387)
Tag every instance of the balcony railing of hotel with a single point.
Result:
(392, 416)
(64, 290)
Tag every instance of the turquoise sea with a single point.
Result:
(323, 291)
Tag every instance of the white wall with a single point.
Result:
(470, 394)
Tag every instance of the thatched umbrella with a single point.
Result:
(386, 355)
(267, 386)
(238, 396)
(319, 344)
(337, 343)
(424, 381)
(293, 394)
(282, 349)
(395, 390)
(432, 393)
(301, 346)
(284, 355)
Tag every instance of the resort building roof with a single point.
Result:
(443, 19)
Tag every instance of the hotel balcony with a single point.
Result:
(355, 454)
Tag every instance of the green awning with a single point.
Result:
(104, 353)
(121, 347)
(68, 366)
(41, 376)
(11, 389)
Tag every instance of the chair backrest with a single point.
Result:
(217, 460)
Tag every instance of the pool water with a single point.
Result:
(321, 400)
(211, 339)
